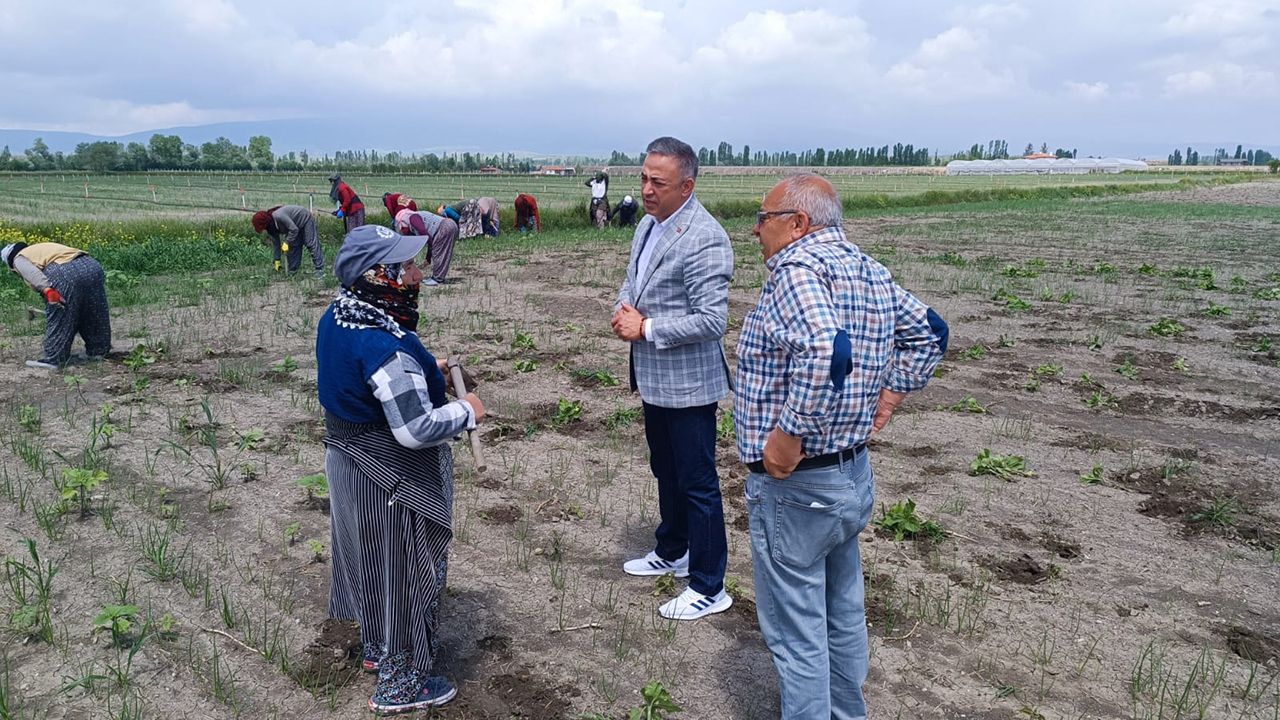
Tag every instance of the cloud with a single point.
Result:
(1088, 91)
(1222, 79)
(1221, 17)
(951, 66)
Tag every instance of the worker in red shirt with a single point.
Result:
(350, 207)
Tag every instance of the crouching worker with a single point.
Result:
(527, 216)
(75, 294)
(388, 425)
(291, 227)
(441, 234)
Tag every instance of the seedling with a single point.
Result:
(1093, 477)
(968, 404)
(1148, 269)
(290, 533)
(665, 586)
(1005, 341)
(953, 259)
(251, 439)
(603, 378)
(567, 411)
(1166, 327)
(622, 417)
(317, 550)
(315, 485)
(1104, 268)
(657, 703)
(1032, 384)
(1216, 310)
(1271, 293)
(1221, 512)
(1180, 364)
(77, 483)
(1005, 467)
(726, 428)
(29, 418)
(1263, 344)
(1095, 343)
(30, 588)
(1101, 399)
(975, 352)
(523, 341)
(118, 620)
(526, 365)
(1048, 370)
(140, 357)
(1067, 297)
(901, 520)
(1128, 369)
(286, 366)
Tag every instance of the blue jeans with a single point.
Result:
(682, 455)
(808, 577)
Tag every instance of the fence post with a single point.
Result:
(311, 202)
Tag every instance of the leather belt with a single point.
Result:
(817, 461)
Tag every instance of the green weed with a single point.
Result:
(1166, 327)
(902, 520)
(1005, 467)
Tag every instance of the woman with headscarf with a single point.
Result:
(441, 234)
(74, 288)
(291, 228)
(527, 215)
(350, 207)
(390, 469)
(468, 216)
(395, 202)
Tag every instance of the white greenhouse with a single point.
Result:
(1044, 166)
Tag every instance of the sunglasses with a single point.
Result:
(766, 214)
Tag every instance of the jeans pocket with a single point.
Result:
(806, 532)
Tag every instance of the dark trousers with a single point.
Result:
(682, 455)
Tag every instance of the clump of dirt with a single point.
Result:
(936, 470)
(923, 451)
(520, 694)
(1174, 495)
(1092, 441)
(501, 514)
(1062, 547)
(1262, 648)
(1145, 403)
(1023, 569)
(742, 522)
(330, 659)
(497, 644)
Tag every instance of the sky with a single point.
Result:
(575, 76)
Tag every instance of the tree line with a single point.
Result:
(1249, 157)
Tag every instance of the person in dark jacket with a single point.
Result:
(388, 424)
(291, 228)
(625, 211)
(74, 288)
(350, 207)
(527, 215)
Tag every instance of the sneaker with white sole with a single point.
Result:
(691, 605)
(430, 282)
(41, 365)
(651, 564)
(436, 691)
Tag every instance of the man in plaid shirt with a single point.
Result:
(831, 348)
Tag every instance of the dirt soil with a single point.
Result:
(1051, 597)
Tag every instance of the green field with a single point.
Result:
(64, 197)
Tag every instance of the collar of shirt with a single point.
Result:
(822, 235)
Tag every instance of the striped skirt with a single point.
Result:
(389, 562)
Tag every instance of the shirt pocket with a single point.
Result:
(805, 532)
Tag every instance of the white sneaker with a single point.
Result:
(41, 365)
(430, 282)
(651, 564)
(691, 605)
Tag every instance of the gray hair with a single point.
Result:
(815, 196)
(679, 150)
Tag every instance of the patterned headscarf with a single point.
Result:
(379, 299)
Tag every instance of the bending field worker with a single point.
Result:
(350, 207)
(74, 289)
(388, 425)
(291, 228)
(441, 234)
(829, 351)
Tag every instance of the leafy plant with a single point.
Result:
(141, 356)
(953, 259)
(526, 365)
(974, 352)
(1032, 384)
(1093, 477)
(968, 404)
(726, 428)
(77, 483)
(621, 417)
(317, 550)
(1128, 369)
(1148, 269)
(601, 377)
(290, 532)
(523, 341)
(902, 520)
(1048, 370)
(1095, 343)
(1262, 344)
(316, 485)
(665, 586)
(1101, 399)
(251, 439)
(1005, 467)
(1180, 364)
(1067, 296)
(118, 620)
(567, 411)
(1104, 268)
(29, 418)
(657, 703)
(1216, 310)
(1166, 327)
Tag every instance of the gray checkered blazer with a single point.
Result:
(685, 290)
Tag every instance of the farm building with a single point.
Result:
(555, 170)
(1044, 166)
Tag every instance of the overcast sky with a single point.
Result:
(577, 76)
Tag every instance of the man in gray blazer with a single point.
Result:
(673, 308)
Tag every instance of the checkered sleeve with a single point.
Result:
(807, 325)
(917, 345)
(401, 386)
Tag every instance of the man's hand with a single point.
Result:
(53, 297)
(782, 452)
(628, 323)
(889, 401)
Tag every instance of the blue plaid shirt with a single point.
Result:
(819, 285)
